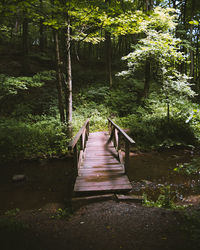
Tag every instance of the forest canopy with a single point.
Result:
(62, 62)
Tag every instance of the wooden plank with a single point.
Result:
(110, 188)
(101, 170)
(100, 148)
(100, 166)
(104, 161)
(92, 173)
(105, 180)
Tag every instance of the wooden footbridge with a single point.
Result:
(98, 161)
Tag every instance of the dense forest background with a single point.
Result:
(62, 62)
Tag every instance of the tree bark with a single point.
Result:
(108, 58)
(149, 5)
(191, 41)
(108, 53)
(25, 36)
(183, 66)
(197, 57)
(147, 79)
(59, 78)
(25, 64)
(68, 79)
(41, 30)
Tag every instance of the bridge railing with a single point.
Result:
(117, 135)
(78, 145)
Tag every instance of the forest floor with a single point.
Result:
(104, 224)
(100, 225)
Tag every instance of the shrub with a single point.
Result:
(26, 139)
(153, 130)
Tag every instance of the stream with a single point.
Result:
(49, 182)
(149, 172)
(46, 182)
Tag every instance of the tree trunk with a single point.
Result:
(68, 80)
(108, 53)
(183, 66)
(108, 58)
(59, 78)
(191, 42)
(197, 57)
(25, 64)
(25, 36)
(149, 5)
(41, 30)
(147, 79)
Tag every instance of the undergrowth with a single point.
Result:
(32, 139)
(33, 130)
(191, 168)
(164, 200)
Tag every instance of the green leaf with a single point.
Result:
(194, 22)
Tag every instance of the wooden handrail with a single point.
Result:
(126, 137)
(117, 134)
(78, 152)
(78, 135)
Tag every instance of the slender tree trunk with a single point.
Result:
(149, 5)
(174, 4)
(183, 66)
(59, 78)
(25, 36)
(197, 58)
(147, 79)
(25, 64)
(41, 30)
(191, 42)
(108, 59)
(108, 53)
(68, 79)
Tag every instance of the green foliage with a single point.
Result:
(165, 199)
(150, 128)
(98, 115)
(62, 213)
(192, 168)
(194, 22)
(122, 99)
(12, 85)
(12, 212)
(90, 103)
(32, 139)
(33, 100)
(161, 19)
(161, 49)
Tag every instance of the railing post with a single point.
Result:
(82, 139)
(81, 136)
(87, 131)
(119, 149)
(127, 150)
(116, 139)
(75, 151)
(109, 127)
(116, 134)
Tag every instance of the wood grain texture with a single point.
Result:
(101, 170)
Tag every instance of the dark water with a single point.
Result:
(148, 172)
(46, 182)
(52, 181)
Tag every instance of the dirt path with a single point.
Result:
(100, 226)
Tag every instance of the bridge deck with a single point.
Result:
(101, 171)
